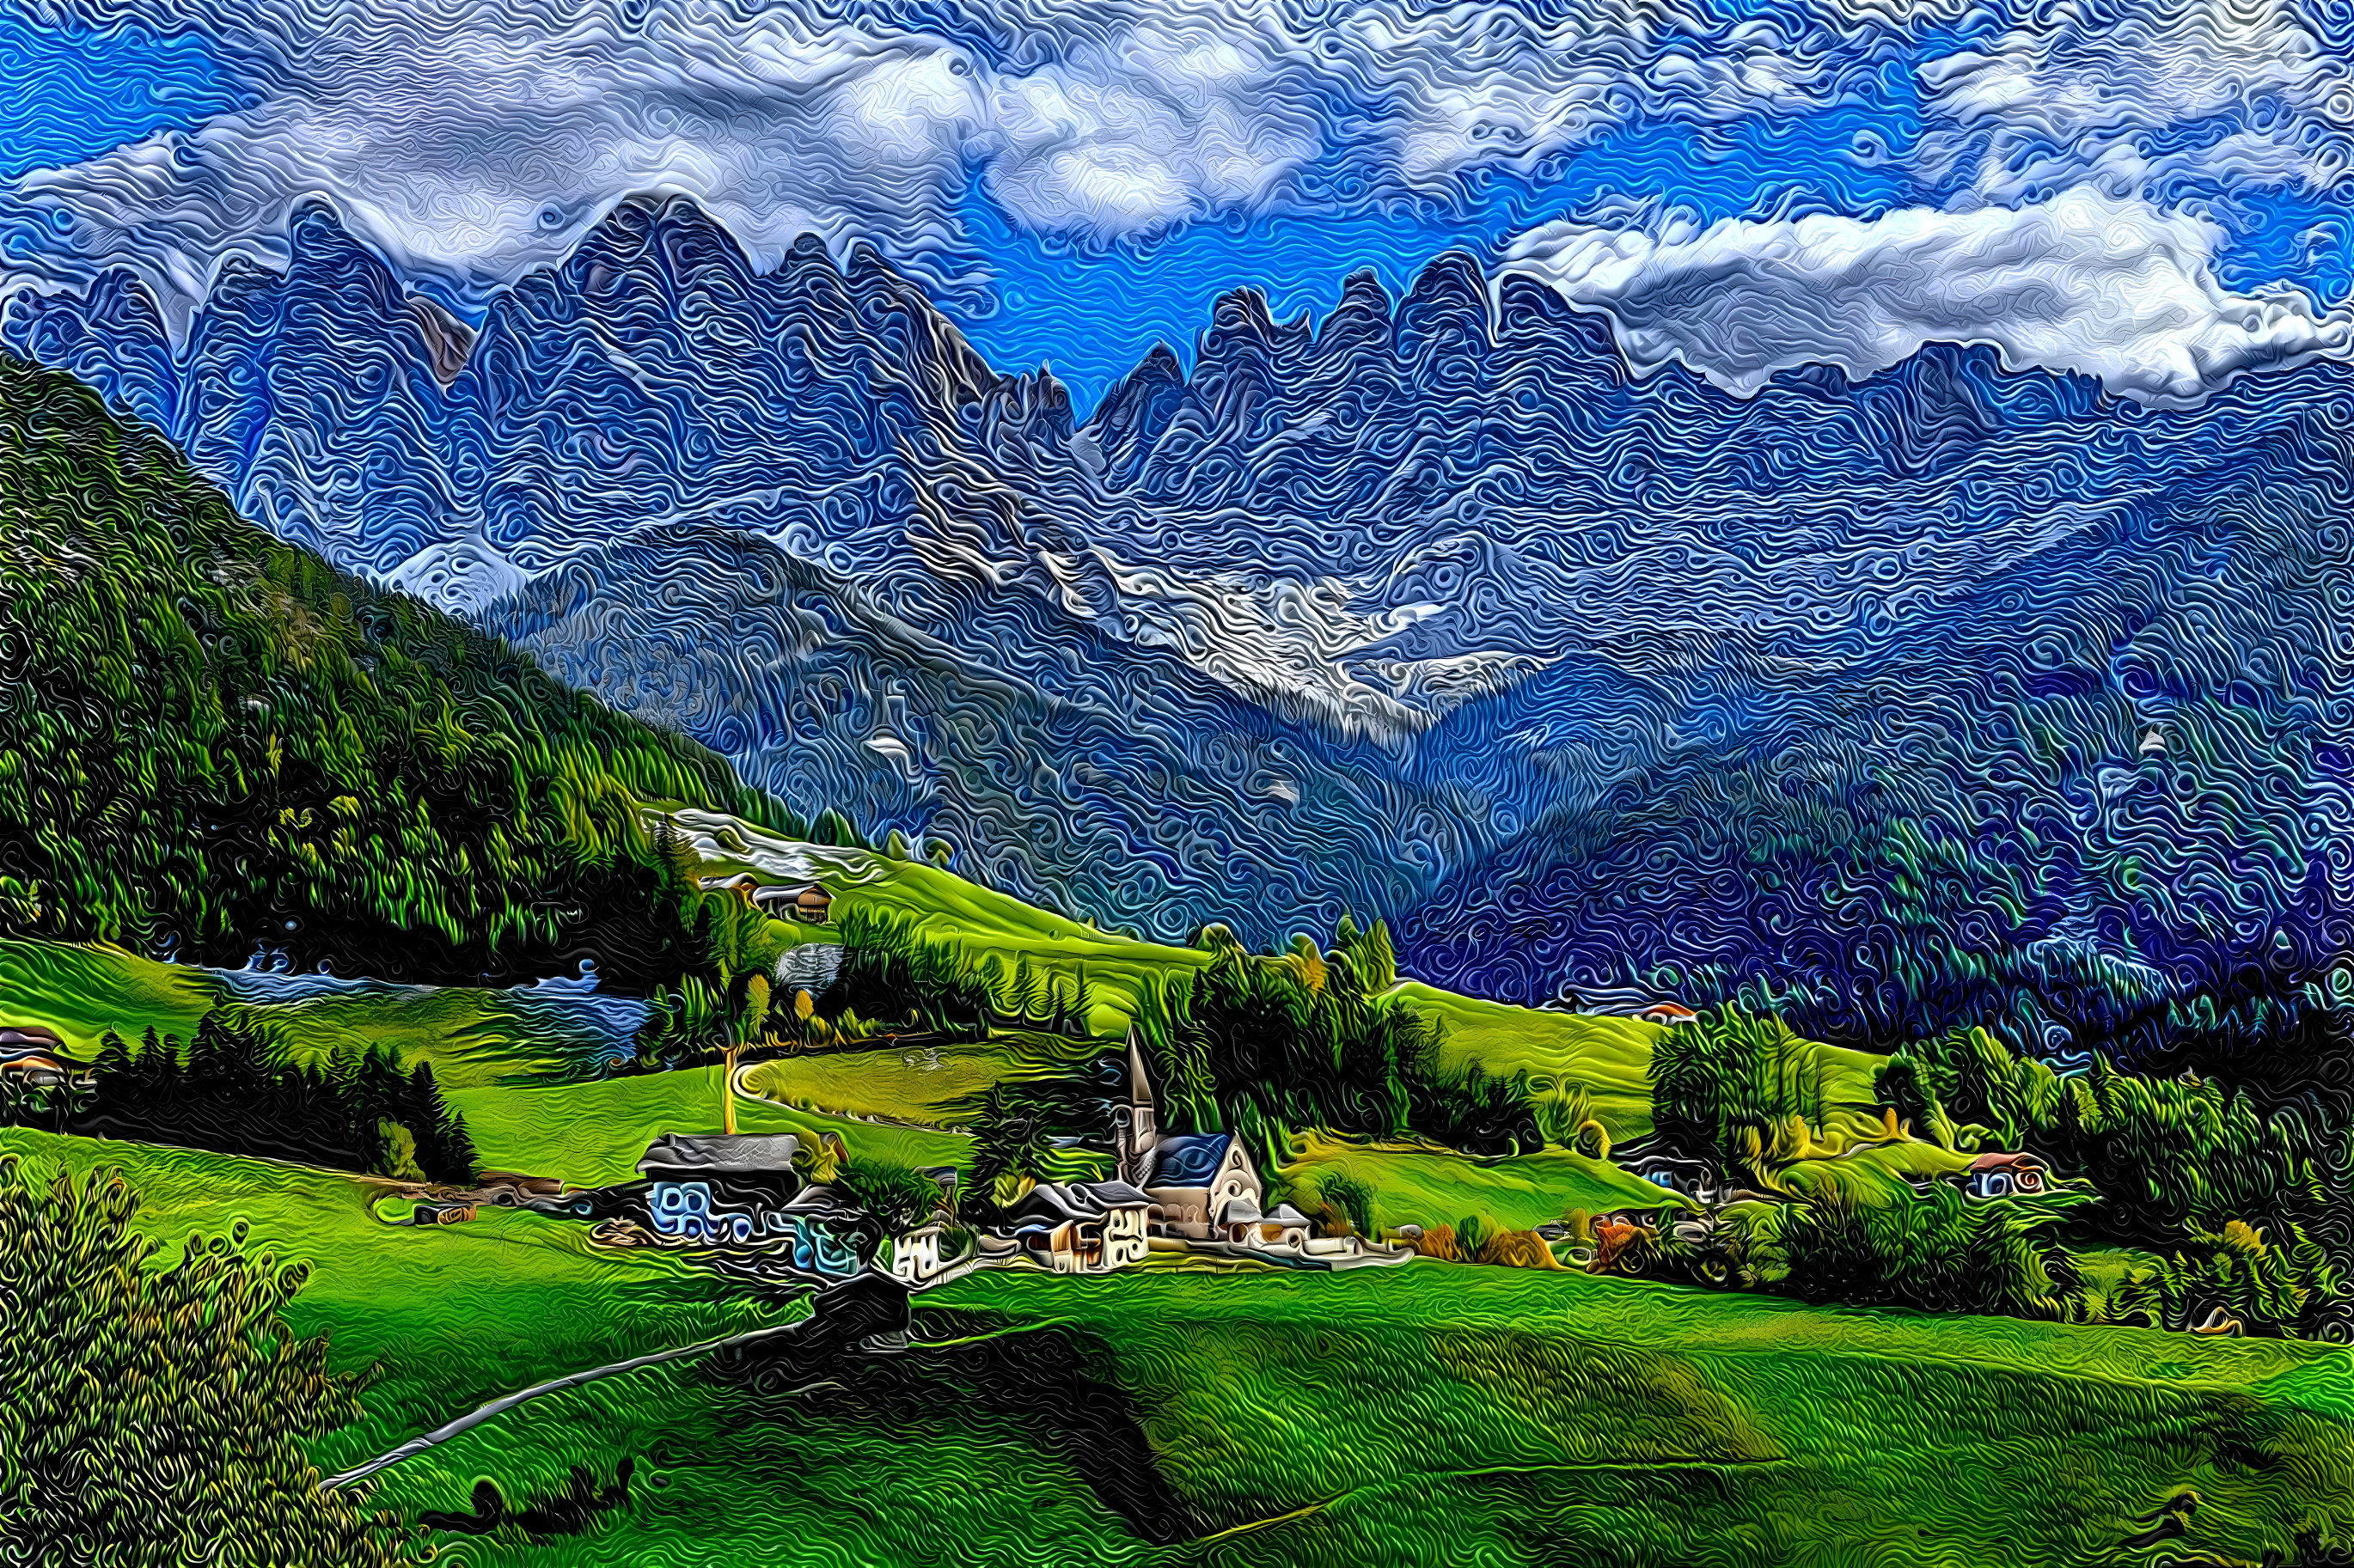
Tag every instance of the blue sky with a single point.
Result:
(1093, 311)
(1081, 183)
(75, 93)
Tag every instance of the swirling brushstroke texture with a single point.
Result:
(1956, 691)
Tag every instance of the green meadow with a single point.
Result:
(1185, 1412)
(946, 908)
(1427, 1185)
(934, 1084)
(1433, 1413)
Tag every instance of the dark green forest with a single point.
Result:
(211, 741)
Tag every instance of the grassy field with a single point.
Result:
(83, 991)
(1431, 1413)
(472, 1037)
(945, 907)
(1609, 1058)
(592, 1134)
(453, 1315)
(934, 1085)
(1425, 1185)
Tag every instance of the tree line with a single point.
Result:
(212, 742)
(1258, 1043)
(2244, 1205)
(232, 1090)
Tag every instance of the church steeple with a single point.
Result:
(1133, 1132)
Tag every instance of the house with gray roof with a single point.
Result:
(1085, 1227)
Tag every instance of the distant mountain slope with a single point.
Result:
(1430, 610)
(2103, 796)
(211, 742)
(1128, 784)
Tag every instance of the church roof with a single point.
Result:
(1189, 1160)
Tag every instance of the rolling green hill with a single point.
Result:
(1435, 1414)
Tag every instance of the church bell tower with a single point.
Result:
(1133, 1133)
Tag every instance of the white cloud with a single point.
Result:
(470, 141)
(2082, 97)
(2099, 285)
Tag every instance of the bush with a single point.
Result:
(158, 1415)
(1940, 1251)
(1730, 1072)
(1471, 1236)
(898, 1198)
(2286, 1289)
(1352, 1197)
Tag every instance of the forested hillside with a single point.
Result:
(211, 742)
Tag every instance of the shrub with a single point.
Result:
(1471, 1234)
(1353, 1198)
(2287, 1287)
(158, 1415)
(1940, 1251)
(897, 1197)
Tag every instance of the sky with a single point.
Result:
(2159, 193)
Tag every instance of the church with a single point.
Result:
(1203, 1185)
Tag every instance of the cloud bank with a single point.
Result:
(2089, 283)
(473, 141)
(470, 142)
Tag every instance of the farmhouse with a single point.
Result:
(1082, 1228)
(29, 1038)
(1667, 1013)
(2003, 1176)
(811, 902)
(724, 1188)
(39, 1072)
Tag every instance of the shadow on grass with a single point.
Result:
(1036, 1383)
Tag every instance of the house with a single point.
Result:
(731, 1187)
(30, 1039)
(1692, 1178)
(2004, 1176)
(915, 1257)
(743, 885)
(831, 1234)
(811, 903)
(40, 1072)
(1670, 1013)
(1242, 1224)
(1082, 1228)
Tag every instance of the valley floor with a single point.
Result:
(1430, 1414)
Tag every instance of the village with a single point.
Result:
(772, 1206)
(775, 1195)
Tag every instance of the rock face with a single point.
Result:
(1430, 609)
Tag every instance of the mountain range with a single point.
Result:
(1951, 694)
